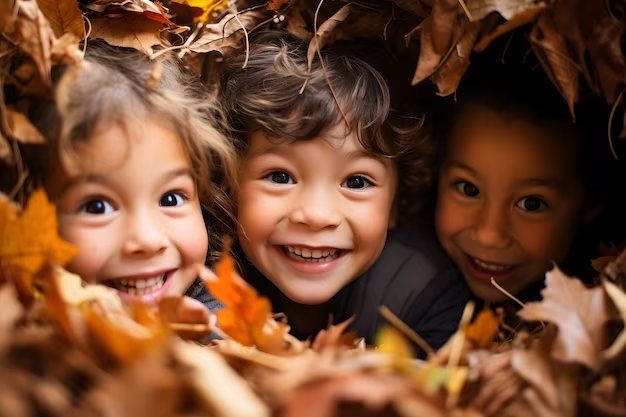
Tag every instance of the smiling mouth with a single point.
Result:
(317, 255)
(490, 267)
(139, 286)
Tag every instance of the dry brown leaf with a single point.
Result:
(445, 18)
(21, 128)
(578, 312)
(227, 34)
(35, 37)
(8, 15)
(553, 54)
(276, 5)
(449, 74)
(508, 9)
(225, 392)
(63, 16)
(524, 17)
(412, 6)
(335, 336)
(607, 58)
(356, 394)
(325, 32)
(429, 60)
(535, 367)
(130, 31)
(619, 300)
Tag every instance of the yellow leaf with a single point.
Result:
(394, 344)
(210, 8)
(29, 239)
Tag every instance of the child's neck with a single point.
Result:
(305, 320)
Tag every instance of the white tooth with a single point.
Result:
(316, 254)
(291, 249)
(297, 251)
(306, 253)
(140, 284)
(325, 252)
(332, 252)
(124, 282)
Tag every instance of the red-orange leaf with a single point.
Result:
(246, 312)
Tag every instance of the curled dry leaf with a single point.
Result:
(335, 336)
(225, 392)
(578, 312)
(449, 74)
(130, 31)
(524, 17)
(508, 9)
(552, 52)
(227, 34)
(20, 128)
(618, 296)
(32, 32)
(325, 33)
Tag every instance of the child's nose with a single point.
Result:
(144, 236)
(491, 228)
(316, 209)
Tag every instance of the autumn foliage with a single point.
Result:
(71, 348)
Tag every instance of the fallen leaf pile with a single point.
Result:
(70, 348)
(577, 42)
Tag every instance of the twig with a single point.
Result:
(466, 10)
(512, 297)
(406, 330)
(505, 292)
(610, 136)
(245, 34)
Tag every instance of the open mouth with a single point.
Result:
(317, 255)
(145, 285)
(490, 267)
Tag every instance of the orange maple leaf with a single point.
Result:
(29, 239)
(483, 328)
(246, 312)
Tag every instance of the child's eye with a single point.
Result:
(531, 204)
(279, 177)
(467, 189)
(97, 206)
(172, 199)
(357, 182)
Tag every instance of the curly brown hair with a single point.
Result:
(276, 92)
(123, 86)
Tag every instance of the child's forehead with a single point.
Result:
(484, 137)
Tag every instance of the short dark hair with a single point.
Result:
(277, 93)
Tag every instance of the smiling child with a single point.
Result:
(324, 175)
(515, 183)
(131, 173)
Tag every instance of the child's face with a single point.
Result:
(509, 201)
(133, 211)
(313, 214)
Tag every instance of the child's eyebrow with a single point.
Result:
(363, 154)
(457, 164)
(91, 177)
